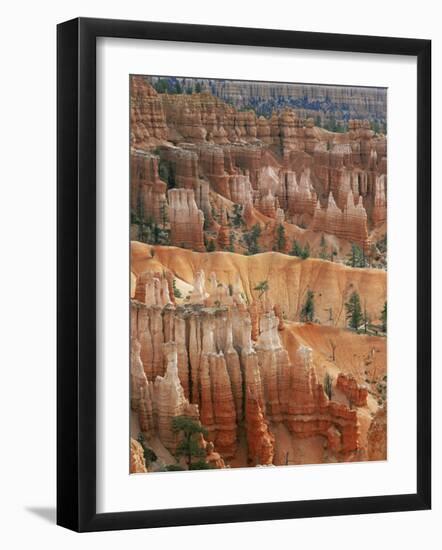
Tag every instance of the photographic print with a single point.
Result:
(258, 295)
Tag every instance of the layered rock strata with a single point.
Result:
(281, 167)
(356, 395)
(137, 463)
(230, 381)
(377, 436)
(349, 224)
(186, 220)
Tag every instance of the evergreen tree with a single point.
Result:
(189, 447)
(149, 455)
(237, 219)
(375, 127)
(176, 291)
(251, 239)
(198, 88)
(262, 287)
(164, 213)
(163, 170)
(200, 465)
(178, 88)
(356, 258)
(210, 246)
(308, 309)
(305, 252)
(332, 126)
(354, 311)
(384, 317)
(232, 242)
(296, 249)
(134, 219)
(280, 238)
(328, 385)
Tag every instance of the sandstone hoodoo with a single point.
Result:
(258, 274)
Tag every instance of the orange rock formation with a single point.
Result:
(137, 464)
(333, 183)
(204, 342)
(355, 394)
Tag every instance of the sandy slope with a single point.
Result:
(289, 278)
(354, 353)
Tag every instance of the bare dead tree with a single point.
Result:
(333, 348)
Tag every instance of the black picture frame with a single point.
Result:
(76, 274)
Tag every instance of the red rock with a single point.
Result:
(152, 289)
(278, 312)
(377, 436)
(148, 191)
(260, 440)
(355, 394)
(169, 399)
(223, 238)
(147, 327)
(274, 366)
(349, 224)
(213, 458)
(186, 221)
(379, 212)
(148, 124)
(137, 463)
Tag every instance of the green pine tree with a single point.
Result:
(232, 242)
(237, 219)
(262, 287)
(251, 239)
(328, 385)
(308, 309)
(189, 446)
(176, 291)
(354, 311)
(356, 258)
(384, 317)
(280, 238)
(296, 249)
(305, 252)
(210, 246)
(164, 213)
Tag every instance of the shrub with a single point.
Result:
(308, 309)
(328, 385)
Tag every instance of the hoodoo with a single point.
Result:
(258, 274)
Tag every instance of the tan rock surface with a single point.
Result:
(289, 278)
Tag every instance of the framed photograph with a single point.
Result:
(238, 209)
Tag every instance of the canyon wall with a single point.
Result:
(244, 223)
(320, 101)
(289, 279)
(278, 168)
(201, 358)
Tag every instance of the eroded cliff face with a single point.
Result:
(236, 219)
(377, 436)
(288, 278)
(137, 463)
(201, 358)
(347, 101)
(196, 159)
